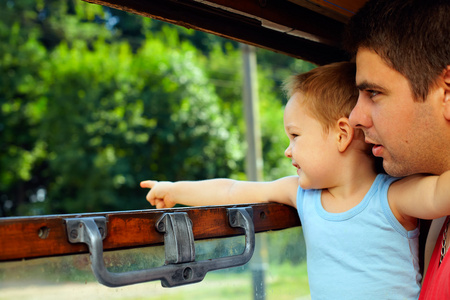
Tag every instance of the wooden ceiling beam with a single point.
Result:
(277, 25)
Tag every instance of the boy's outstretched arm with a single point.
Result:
(166, 194)
(422, 196)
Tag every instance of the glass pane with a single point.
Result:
(279, 255)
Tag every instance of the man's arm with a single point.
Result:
(421, 196)
(221, 192)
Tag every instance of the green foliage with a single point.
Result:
(94, 100)
(21, 103)
(130, 117)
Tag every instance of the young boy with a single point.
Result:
(360, 228)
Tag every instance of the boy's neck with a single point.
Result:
(351, 186)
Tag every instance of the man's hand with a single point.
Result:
(159, 194)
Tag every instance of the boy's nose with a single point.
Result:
(288, 152)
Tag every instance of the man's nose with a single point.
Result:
(360, 116)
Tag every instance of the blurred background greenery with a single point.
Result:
(94, 100)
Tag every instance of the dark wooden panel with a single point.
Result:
(340, 10)
(277, 25)
(285, 14)
(42, 236)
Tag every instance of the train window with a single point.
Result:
(282, 263)
(96, 99)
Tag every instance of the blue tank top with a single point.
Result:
(363, 253)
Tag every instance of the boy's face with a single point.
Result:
(402, 130)
(312, 151)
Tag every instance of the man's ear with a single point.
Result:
(446, 77)
(345, 134)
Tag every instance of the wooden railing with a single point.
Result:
(44, 236)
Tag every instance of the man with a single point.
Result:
(402, 52)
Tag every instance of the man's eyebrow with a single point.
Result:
(363, 86)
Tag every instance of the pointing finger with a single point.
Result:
(148, 183)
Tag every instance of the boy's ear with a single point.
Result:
(345, 134)
(446, 103)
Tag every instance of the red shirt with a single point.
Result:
(436, 285)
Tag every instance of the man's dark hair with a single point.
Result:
(411, 36)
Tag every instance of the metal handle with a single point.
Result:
(180, 267)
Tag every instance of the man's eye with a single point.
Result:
(372, 93)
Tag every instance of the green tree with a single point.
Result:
(25, 29)
(21, 108)
(94, 100)
(113, 122)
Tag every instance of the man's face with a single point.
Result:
(403, 131)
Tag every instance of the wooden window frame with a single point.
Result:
(46, 236)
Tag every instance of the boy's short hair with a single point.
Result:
(329, 91)
(411, 36)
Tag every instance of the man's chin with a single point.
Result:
(396, 169)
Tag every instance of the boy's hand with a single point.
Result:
(159, 194)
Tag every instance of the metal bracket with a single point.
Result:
(76, 228)
(180, 267)
(178, 238)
